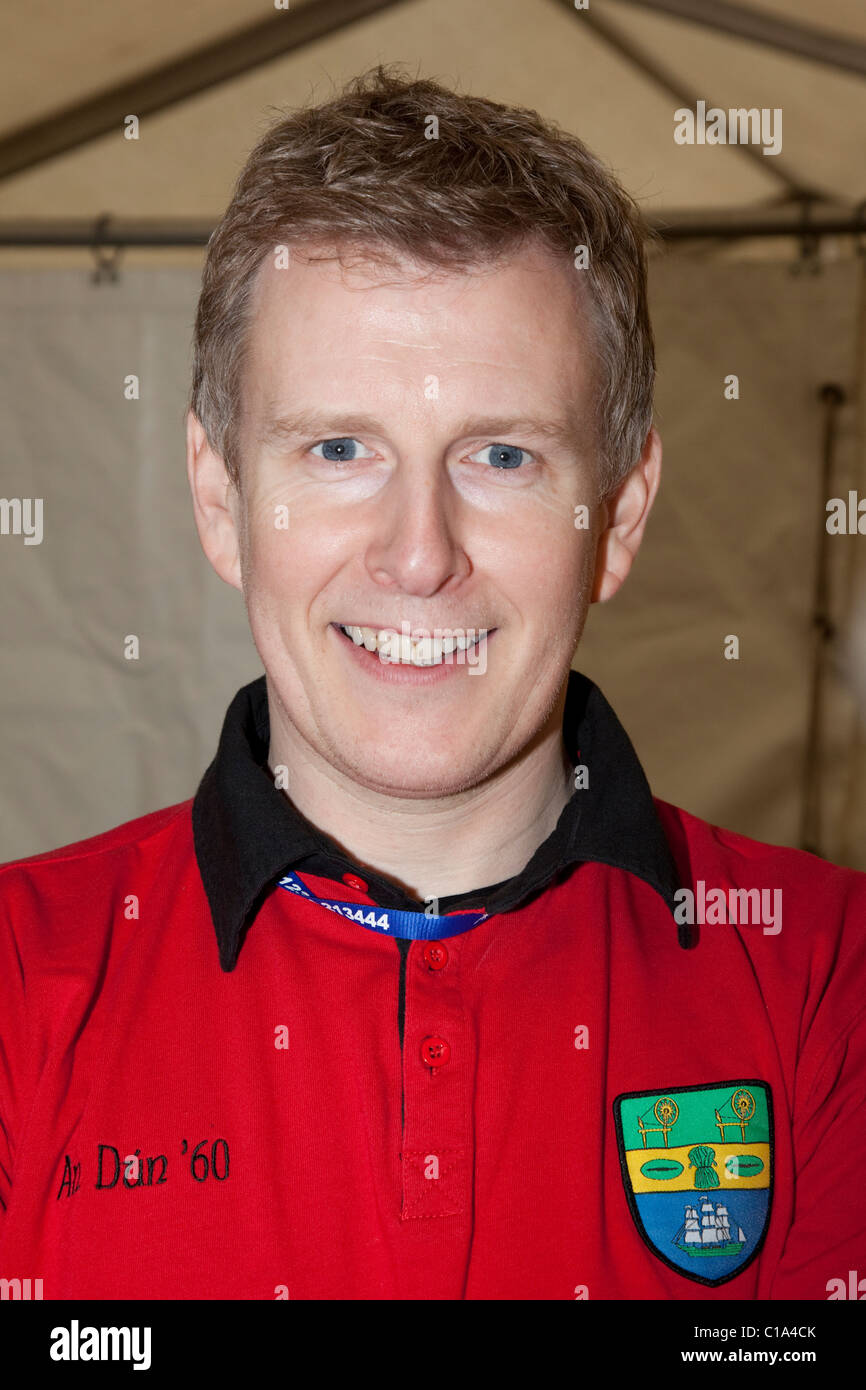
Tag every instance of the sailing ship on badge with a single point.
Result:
(708, 1233)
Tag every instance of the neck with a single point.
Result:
(440, 846)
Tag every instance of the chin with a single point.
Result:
(397, 776)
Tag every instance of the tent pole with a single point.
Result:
(619, 40)
(231, 56)
(757, 26)
(832, 397)
(847, 846)
(678, 226)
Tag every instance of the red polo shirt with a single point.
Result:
(296, 1106)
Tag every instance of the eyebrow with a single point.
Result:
(281, 429)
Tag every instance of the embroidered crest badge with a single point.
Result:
(697, 1164)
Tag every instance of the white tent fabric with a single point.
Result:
(92, 739)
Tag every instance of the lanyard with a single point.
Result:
(418, 926)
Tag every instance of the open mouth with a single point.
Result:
(438, 647)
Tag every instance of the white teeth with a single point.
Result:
(389, 645)
(404, 649)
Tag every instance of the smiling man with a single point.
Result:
(375, 496)
(420, 444)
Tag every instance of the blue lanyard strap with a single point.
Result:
(389, 920)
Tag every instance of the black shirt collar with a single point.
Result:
(247, 833)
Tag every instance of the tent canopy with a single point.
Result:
(205, 77)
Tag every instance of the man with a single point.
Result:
(613, 1052)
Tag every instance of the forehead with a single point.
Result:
(521, 318)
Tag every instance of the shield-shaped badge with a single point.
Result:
(697, 1164)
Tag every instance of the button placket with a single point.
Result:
(438, 1068)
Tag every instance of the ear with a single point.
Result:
(627, 509)
(215, 504)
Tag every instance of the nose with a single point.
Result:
(415, 546)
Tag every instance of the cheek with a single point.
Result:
(549, 571)
(285, 570)
(267, 560)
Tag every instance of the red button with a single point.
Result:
(354, 881)
(435, 1052)
(435, 955)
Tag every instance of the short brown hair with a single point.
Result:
(359, 171)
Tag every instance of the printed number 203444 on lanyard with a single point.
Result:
(390, 921)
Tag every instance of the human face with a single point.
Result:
(410, 517)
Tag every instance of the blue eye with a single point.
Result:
(340, 450)
(502, 455)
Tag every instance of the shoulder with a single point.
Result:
(801, 919)
(47, 898)
(97, 851)
(701, 848)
